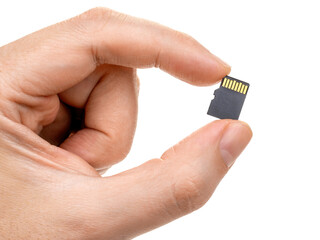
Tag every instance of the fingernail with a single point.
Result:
(235, 138)
(226, 65)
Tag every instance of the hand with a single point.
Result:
(50, 187)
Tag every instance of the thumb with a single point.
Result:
(181, 181)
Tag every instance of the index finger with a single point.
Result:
(58, 57)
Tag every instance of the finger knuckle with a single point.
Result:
(103, 15)
(183, 37)
(188, 191)
(96, 13)
(91, 21)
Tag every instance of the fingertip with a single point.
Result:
(222, 68)
(247, 126)
(210, 71)
(225, 65)
(235, 138)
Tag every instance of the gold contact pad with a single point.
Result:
(234, 85)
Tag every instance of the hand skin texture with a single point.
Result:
(50, 186)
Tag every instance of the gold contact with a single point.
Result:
(245, 89)
(234, 85)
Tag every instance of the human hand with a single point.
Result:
(50, 187)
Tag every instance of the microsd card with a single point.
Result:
(229, 98)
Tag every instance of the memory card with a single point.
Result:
(228, 98)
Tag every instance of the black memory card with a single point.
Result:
(229, 98)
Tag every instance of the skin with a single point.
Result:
(50, 186)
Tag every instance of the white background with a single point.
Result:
(272, 192)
